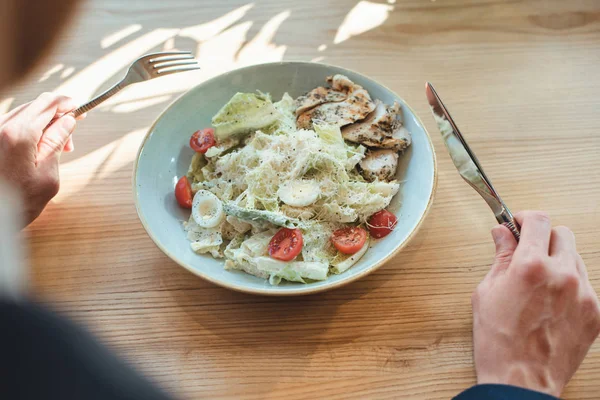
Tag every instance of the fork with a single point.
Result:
(144, 68)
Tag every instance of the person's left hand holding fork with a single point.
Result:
(30, 149)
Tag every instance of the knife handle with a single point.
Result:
(514, 228)
(506, 218)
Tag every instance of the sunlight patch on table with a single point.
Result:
(261, 48)
(217, 54)
(113, 38)
(221, 48)
(206, 31)
(230, 49)
(169, 44)
(67, 72)
(138, 104)
(156, 88)
(51, 72)
(222, 45)
(84, 84)
(99, 164)
(362, 18)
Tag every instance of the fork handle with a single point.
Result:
(92, 103)
(97, 100)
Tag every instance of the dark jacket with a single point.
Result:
(501, 392)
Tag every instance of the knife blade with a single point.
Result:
(466, 162)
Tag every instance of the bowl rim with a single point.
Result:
(302, 289)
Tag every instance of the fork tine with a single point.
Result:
(168, 53)
(162, 60)
(169, 58)
(180, 61)
(174, 70)
(154, 56)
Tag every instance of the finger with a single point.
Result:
(43, 109)
(505, 247)
(581, 268)
(13, 112)
(69, 147)
(535, 231)
(82, 116)
(593, 303)
(562, 242)
(55, 138)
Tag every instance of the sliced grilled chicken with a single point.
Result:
(316, 97)
(356, 105)
(379, 164)
(342, 83)
(382, 128)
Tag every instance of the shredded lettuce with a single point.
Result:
(342, 262)
(244, 114)
(331, 136)
(294, 271)
(195, 170)
(317, 242)
(204, 240)
(250, 255)
(286, 121)
(256, 245)
(260, 153)
(354, 154)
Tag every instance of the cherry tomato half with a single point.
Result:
(203, 140)
(349, 240)
(183, 192)
(381, 223)
(286, 244)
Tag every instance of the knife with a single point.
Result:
(467, 164)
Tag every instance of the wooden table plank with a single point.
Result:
(520, 77)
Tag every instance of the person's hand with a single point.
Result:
(30, 149)
(535, 314)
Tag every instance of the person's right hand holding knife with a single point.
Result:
(535, 314)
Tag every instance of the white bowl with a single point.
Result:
(165, 155)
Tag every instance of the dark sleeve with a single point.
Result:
(44, 356)
(501, 392)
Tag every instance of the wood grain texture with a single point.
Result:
(520, 77)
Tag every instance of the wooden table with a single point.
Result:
(522, 80)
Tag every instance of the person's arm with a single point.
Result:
(44, 356)
(535, 314)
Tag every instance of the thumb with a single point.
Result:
(505, 247)
(55, 138)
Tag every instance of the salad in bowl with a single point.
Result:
(273, 173)
(294, 189)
